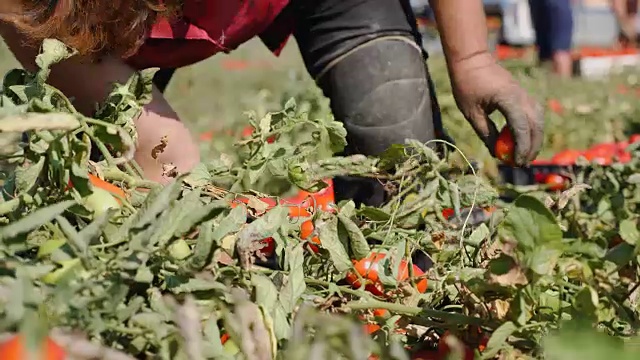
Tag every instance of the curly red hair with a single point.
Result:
(92, 27)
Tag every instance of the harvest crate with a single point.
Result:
(603, 62)
(533, 174)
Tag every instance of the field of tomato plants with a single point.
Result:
(250, 257)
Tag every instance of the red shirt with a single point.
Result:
(207, 27)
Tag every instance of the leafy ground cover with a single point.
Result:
(231, 261)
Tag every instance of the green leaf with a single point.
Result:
(80, 180)
(198, 176)
(328, 234)
(478, 235)
(265, 292)
(620, 254)
(531, 224)
(294, 286)
(194, 216)
(27, 175)
(501, 265)
(629, 231)
(52, 52)
(358, 245)
(157, 201)
(93, 231)
(374, 214)
(542, 260)
(34, 220)
(498, 339)
(337, 136)
(265, 226)
(203, 251)
(74, 239)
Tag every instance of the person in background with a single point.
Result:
(553, 25)
(626, 12)
(366, 55)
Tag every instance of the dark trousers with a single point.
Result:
(553, 25)
(382, 94)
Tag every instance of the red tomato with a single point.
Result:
(566, 157)
(323, 199)
(624, 157)
(539, 177)
(448, 213)
(269, 248)
(622, 145)
(604, 148)
(634, 138)
(602, 153)
(597, 158)
(371, 328)
(299, 206)
(206, 136)
(15, 349)
(306, 229)
(368, 269)
(505, 147)
(555, 106)
(303, 201)
(555, 182)
(380, 313)
(224, 338)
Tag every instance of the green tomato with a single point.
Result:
(66, 266)
(179, 250)
(100, 202)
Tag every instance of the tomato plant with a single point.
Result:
(178, 265)
(505, 147)
(369, 267)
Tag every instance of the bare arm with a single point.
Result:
(463, 30)
(90, 83)
(480, 85)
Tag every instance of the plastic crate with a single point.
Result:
(533, 174)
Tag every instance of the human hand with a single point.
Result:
(481, 86)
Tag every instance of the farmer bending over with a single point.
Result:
(366, 55)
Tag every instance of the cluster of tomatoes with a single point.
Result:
(366, 272)
(603, 154)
